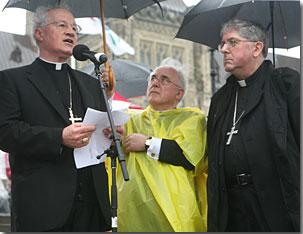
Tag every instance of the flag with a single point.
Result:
(93, 26)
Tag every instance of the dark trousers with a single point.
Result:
(244, 211)
(84, 217)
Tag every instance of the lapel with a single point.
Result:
(254, 100)
(40, 78)
(87, 96)
(263, 75)
(222, 106)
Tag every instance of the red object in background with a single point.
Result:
(7, 166)
(118, 97)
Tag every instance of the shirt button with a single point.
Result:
(80, 197)
(222, 189)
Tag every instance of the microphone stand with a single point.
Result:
(112, 152)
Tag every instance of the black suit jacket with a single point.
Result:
(32, 118)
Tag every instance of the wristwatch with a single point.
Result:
(148, 142)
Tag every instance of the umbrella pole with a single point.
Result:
(103, 26)
(271, 4)
(111, 83)
(213, 72)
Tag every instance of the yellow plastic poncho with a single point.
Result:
(160, 197)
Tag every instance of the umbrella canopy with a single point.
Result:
(131, 77)
(122, 9)
(203, 22)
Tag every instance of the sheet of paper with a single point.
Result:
(120, 105)
(98, 143)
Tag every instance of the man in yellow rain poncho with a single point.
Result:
(165, 158)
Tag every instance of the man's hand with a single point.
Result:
(108, 131)
(77, 135)
(135, 142)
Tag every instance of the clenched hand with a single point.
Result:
(77, 135)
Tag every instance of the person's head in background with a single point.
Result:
(55, 32)
(166, 87)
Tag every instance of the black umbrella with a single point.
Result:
(122, 9)
(281, 19)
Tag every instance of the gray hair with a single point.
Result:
(179, 72)
(178, 67)
(40, 16)
(249, 30)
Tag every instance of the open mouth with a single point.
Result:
(69, 41)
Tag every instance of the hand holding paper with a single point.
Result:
(98, 143)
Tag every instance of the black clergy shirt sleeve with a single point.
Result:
(171, 153)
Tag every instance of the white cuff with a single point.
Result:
(153, 150)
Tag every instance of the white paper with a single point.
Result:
(119, 105)
(98, 143)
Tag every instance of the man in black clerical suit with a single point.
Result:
(38, 107)
(253, 139)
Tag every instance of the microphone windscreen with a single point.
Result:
(78, 52)
(102, 58)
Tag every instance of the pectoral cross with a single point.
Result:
(71, 116)
(232, 132)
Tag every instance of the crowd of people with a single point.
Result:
(236, 170)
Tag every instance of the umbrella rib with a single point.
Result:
(221, 3)
(284, 27)
(124, 6)
(158, 3)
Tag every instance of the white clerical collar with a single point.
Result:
(58, 66)
(242, 83)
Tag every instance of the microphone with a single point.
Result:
(82, 53)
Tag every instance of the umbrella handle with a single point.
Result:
(111, 77)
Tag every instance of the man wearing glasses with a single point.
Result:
(253, 139)
(39, 109)
(165, 160)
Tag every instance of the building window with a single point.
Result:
(177, 53)
(146, 52)
(162, 52)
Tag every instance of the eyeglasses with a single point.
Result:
(163, 80)
(63, 26)
(231, 42)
